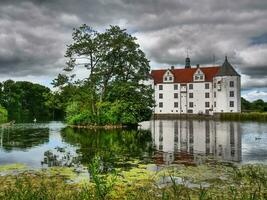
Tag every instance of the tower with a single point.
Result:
(226, 87)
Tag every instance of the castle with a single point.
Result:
(198, 90)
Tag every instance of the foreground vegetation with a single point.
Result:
(207, 181)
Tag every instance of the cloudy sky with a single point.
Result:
(34, 34)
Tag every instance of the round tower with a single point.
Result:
(226, 89)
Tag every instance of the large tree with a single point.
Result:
(114, 61)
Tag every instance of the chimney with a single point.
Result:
(172, 67)
(197, 65)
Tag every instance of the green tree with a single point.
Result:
(112, 92)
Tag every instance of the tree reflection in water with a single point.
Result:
(116, 147)
(23, 138)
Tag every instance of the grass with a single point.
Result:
(252, 116)
(181, 182)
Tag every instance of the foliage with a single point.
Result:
(255, 106)
(103, 185)
(113, 92)
(24, 101)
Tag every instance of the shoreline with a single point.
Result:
(252, 116)
(98, 126)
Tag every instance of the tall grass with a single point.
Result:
(253, 116)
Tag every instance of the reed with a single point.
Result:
(252, 116)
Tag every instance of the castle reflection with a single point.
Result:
(187, 141)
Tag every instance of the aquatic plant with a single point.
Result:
(174, 182)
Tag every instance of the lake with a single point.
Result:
(160, 142)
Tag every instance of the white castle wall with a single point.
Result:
(222, 98)
(223, 94)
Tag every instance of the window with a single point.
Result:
(190, 111)
(215, 104)
(207, 95)
(232, 94)
(231, 84)
(166, 78)
(207, 104)
(207, 86)
(175, 87)
(160, 96)
(231, 103)
(214, 85)
(214, 94)
(175, 104)
(170, 78)
(161, 104)
(191, 95)
(175, 95)
(190, 86)
(200, 77)
(160, 87)
(191, 104)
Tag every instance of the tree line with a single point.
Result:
(23, 101)
(254, 106)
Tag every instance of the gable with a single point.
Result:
(199, 75)
(168, 76)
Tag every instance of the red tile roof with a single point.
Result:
(184, 75)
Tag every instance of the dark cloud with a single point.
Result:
(34, 33)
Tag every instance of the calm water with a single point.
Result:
(160, 142)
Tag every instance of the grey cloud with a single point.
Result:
(34, 33)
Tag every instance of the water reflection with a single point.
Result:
(183, 141)
(115, 147)
(26, 143)
(22, 138)
(174, 141)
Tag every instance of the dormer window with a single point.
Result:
(168, 76)
(199, 75)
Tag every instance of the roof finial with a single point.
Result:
(226, 58)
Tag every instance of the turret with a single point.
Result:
(227, 89)
(187, 62)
